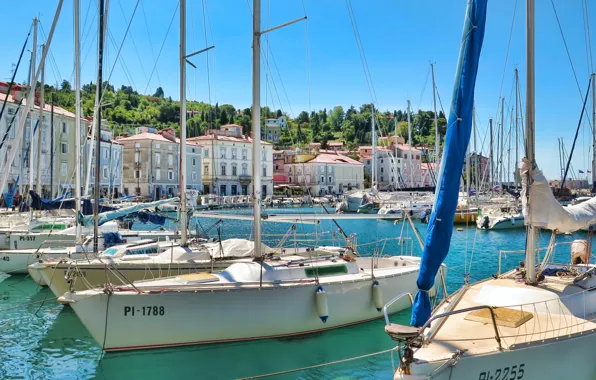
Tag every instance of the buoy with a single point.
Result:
(460, 229)
(321, 299)
(377, 296)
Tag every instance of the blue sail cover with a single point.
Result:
(459, 127)
(122, 212)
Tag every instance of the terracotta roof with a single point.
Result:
(46, 108)
(328, 158)
(335, 144)
(245, 140)
(429, 166)
(155, 137)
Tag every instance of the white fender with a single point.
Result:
(321, 300)
(377, 295)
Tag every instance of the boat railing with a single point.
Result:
(548, 249)
(394, 300)
(515, 252)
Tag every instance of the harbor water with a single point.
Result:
(41, 339)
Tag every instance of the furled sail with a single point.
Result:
(544, 211)
(122, 212)
(459, 127)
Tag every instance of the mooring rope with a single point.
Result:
(319, 365)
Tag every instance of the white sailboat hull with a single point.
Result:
(187, 317)
(562, 358)
(16, 262)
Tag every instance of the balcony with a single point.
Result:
(245, 179)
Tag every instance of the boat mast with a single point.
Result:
(437, 144)
(77, 80)
(52, 147)
(98, 128)
(593, 132)
(395, 156)
(373, 179)
(411, 172)
(501, 138)
(476, 161)
(183, 220)
(492, 178)
(516, 175)
(32, 87)
(531, 232)
(42, 66)
(256, 123)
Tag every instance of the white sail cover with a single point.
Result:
(234, 248)
(544, 211)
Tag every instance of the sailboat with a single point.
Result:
(270, 296)
(533, 322)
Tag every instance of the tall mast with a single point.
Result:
(411, 172)
(476, 160)
(437, 142)
(395, 155)
(593, 132)
(373, 180)
(77, 80)
(42, 66)
(492, 170)
(530, 117)
(256, 123)
(32, 87)
(183, 236)
(516, 175)
(501, 176)
(98, 127)
(52, 147)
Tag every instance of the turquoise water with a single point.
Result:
(41, 339)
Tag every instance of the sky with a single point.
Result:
(316, 64)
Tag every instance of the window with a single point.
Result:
(106, 172)
(158, 146)
(115, 155)
(137, 157)
(405, 156)
(244, 154)
(233, 153)
(290, 180)
(233, 170)
(223, 169)
(106, 154)
(263, 155)
(64, 169)
(158, 175)
(137, 145)
(170, 147)
(222, 152)
(194, 176)
(170, 159)
(170, 175)
(322, 179)
(194, 161)
(64, 148)
(157, 159)
(64, 127)
(331, 180)
(244, 169)
(206, 169)
(206, 153)
(381, 179)
(137, 174)
(381, 160)
(381, 170)
(392, 180)
(276, 167)
(264, 171)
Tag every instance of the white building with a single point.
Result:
(325, 173)
(227, 162)
(57, 161)
(273, 127)
(392, 164)
(111, 158)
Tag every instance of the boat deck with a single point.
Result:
(554, 309)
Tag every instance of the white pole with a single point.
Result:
(437, 141)
(516, 127)
(256, 123)
(183, 235)
(410, 169)
(530, 136)
(19, 132)
(40, 126)
(373, 179)
(32, 91)
(593, 132)
(77, 79)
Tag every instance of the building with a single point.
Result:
(57, 164)
(392, 165)
(273, 127)
(482, 163)
(279, 175)
(335, 146)
(110, 180)
(152, 161)
(325, 173)
(227, 162)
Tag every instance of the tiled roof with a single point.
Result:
(154, 137)
(46, 108)
(328, 158)
(244, 140)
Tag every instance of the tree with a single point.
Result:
(348, 132)
(279, 114)
(159, 93)
(402, 129)
(224, 118)
(302, 117)
(65, 86)
(336, 118)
